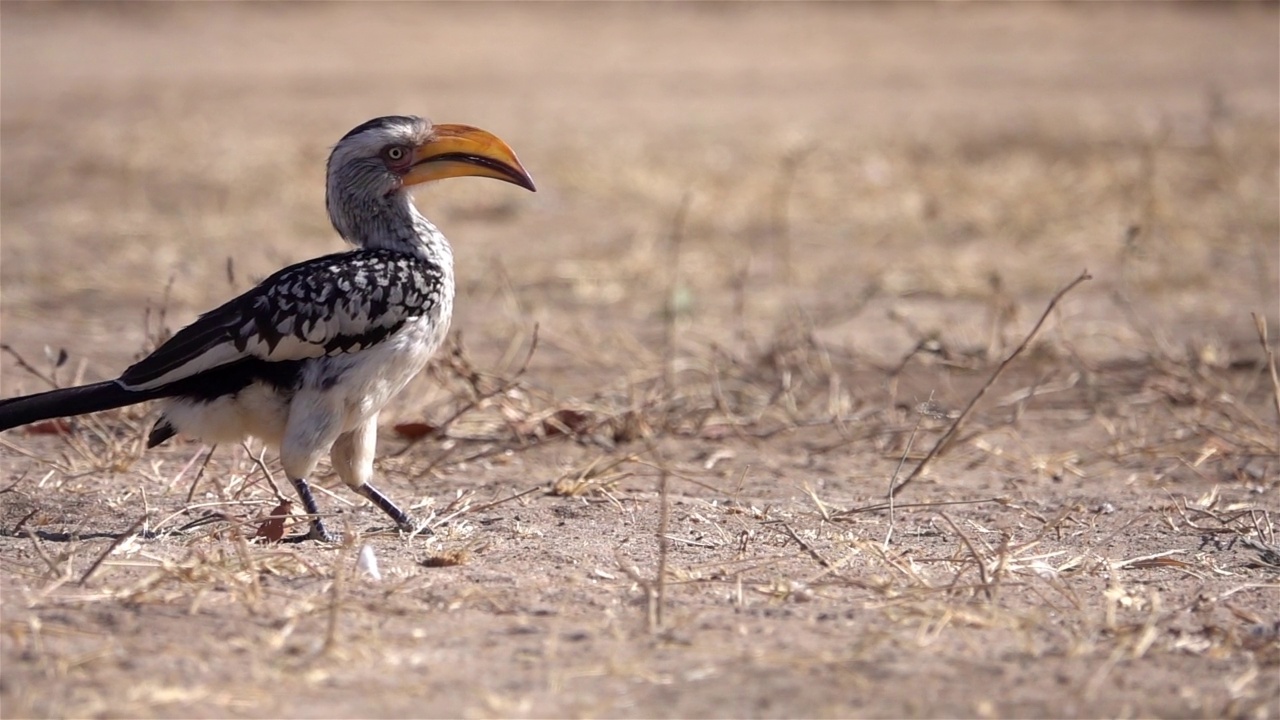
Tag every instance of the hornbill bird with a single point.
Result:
(307, 359)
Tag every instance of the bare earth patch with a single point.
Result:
(775, 253)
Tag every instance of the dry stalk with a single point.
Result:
(659, 598)
(784, 182)
(977, 559)
(676, 243)
(509, 498)
(809, 549)
(335, 593)
(120, 540)
(54, 565)
(1260, 322)
(13, 485)
(900, 506)
(17, 529)
(22, 363)
(906, 451)
(260, 462)
(195, 482)
(943, 441)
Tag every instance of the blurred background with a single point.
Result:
(731, 164)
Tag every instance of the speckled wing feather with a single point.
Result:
(331, 305)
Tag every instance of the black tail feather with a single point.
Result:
(66, 402)
(161, 431)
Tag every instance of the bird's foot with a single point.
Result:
(412, 527)
(318, 532)
(404, 522)
(321, 533)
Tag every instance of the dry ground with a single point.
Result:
(775, 251)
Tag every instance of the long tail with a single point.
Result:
(66, 402)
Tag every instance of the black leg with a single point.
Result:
(402, 519)
(318, 530)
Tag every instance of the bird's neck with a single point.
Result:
(391, 223)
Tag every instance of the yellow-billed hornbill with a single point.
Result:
(307, 359)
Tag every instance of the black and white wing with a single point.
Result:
(327, 306)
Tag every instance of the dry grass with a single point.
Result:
(660, 454)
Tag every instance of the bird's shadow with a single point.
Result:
(76, 535)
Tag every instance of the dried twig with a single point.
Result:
(906, 451)
(120, 539)
(13, 485)
(509, 498)
(780, 198)
(806, 547)
(260, 462)
(336, 590)
(673, 289)
(191, 491)
(977, 559)
(899, 506)
(659, 597)
(943, 441)
(22, 363)
(1260, 322)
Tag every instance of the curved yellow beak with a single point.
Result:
(462, 150)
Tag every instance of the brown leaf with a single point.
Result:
(272, 529)
(1159, 562)
(50, 427)
(414, 430)
(567, 422)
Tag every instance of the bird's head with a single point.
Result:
(386, 156)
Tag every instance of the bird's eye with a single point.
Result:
(395, 153)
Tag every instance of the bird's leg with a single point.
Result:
(314, 424)
(352, 457)
(318, 530)
(403, 520)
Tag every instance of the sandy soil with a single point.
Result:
(775, 252)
